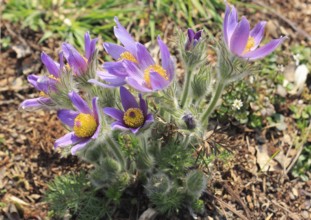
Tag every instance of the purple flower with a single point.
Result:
(134, 117)
(76, 61)
(46, 83)
(84, 122)
(149, 76)
(244, 42)
(192, 39)
(115, 73)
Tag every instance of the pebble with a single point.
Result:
(305, 215)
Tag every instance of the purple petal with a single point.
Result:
(46, 84)
(143, 105)
(114, 50)
(232, 23)
(239, 37)
(96, 133)
(37, 103)
(115, 68)
(79, 103)
(127, 99)
(149, 119)
(133, 83)
(135, 130)
(157, 81)
(190, 34)
(32, 79)
(90, 46)
(124, 37)
(197, 35)
(75, 60)
(114, 113)
(50, 64)
(95, 109)
(118, 125)
(67, 116)
(80, 146)
(225, 25)
(144, 58)
(166, 60)
(264, 50)
(134, 71)
(257, 33)
(66, 140)
(111, 85)
(61, 61)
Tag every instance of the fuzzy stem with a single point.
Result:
(219, 89)
(186, 87)
(116, 151)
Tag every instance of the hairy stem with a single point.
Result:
(186, 87)
(116, 151)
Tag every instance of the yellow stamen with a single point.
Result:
(249, 45)
(84, 125)
(154, 68)
(133, 117)
(43, 94)
(53, 77)
(128, 56)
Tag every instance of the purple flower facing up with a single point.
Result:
(84, 122)
(148, 76)
(115, 73)
(77, 62)
(192, 39)
(46, 84)
(134, 117)
(244, 42)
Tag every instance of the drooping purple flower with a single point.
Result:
(85, 123)
(193, 39)
(149, 76)
(76, 61)
(135, 115)
(244, 42)
(45, 83)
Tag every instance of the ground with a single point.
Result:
(242, 188)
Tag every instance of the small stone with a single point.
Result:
(305, 215)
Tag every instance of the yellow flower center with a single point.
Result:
(128, 56)
(133, 117)
(43, 94)
(84, 125)
(249, 45)
(154, 68)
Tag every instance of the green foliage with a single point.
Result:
(303, 165)
(73, 194)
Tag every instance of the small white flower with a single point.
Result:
(297, 58)
(67, 22)
(237, 104)
(281, 68)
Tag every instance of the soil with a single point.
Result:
(239, 189)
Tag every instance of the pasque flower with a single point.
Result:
(135, 115)
(134, 64)
(242, 41)
(193, 39)
(148, 76)
(76, 61)
(114, 72)
(84, 121)
(46, 84)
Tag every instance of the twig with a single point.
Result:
(291, 214)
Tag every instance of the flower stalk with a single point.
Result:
(186, 87)
(116, 151)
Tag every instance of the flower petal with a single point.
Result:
(114, 50)
(127, 99)
(80, 146)
(111, 85)
(144, 58)
(95, 109)
(37, 103)
(67, 140)
(75, 60)
(114, 113)
(157, 81)
(264, 50)
(225, 24)
(118, 125)
(166, 60)
(239, 37)
(115, 68)
(50, 64)
(136, 85)
(143, 105)
(124, 37)
(257, 33)
(79, 103)
(46, 84)
(90, 46)
(232, 23)
(32, 79)
(134, 130)
(198, 35)
(67, 116)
